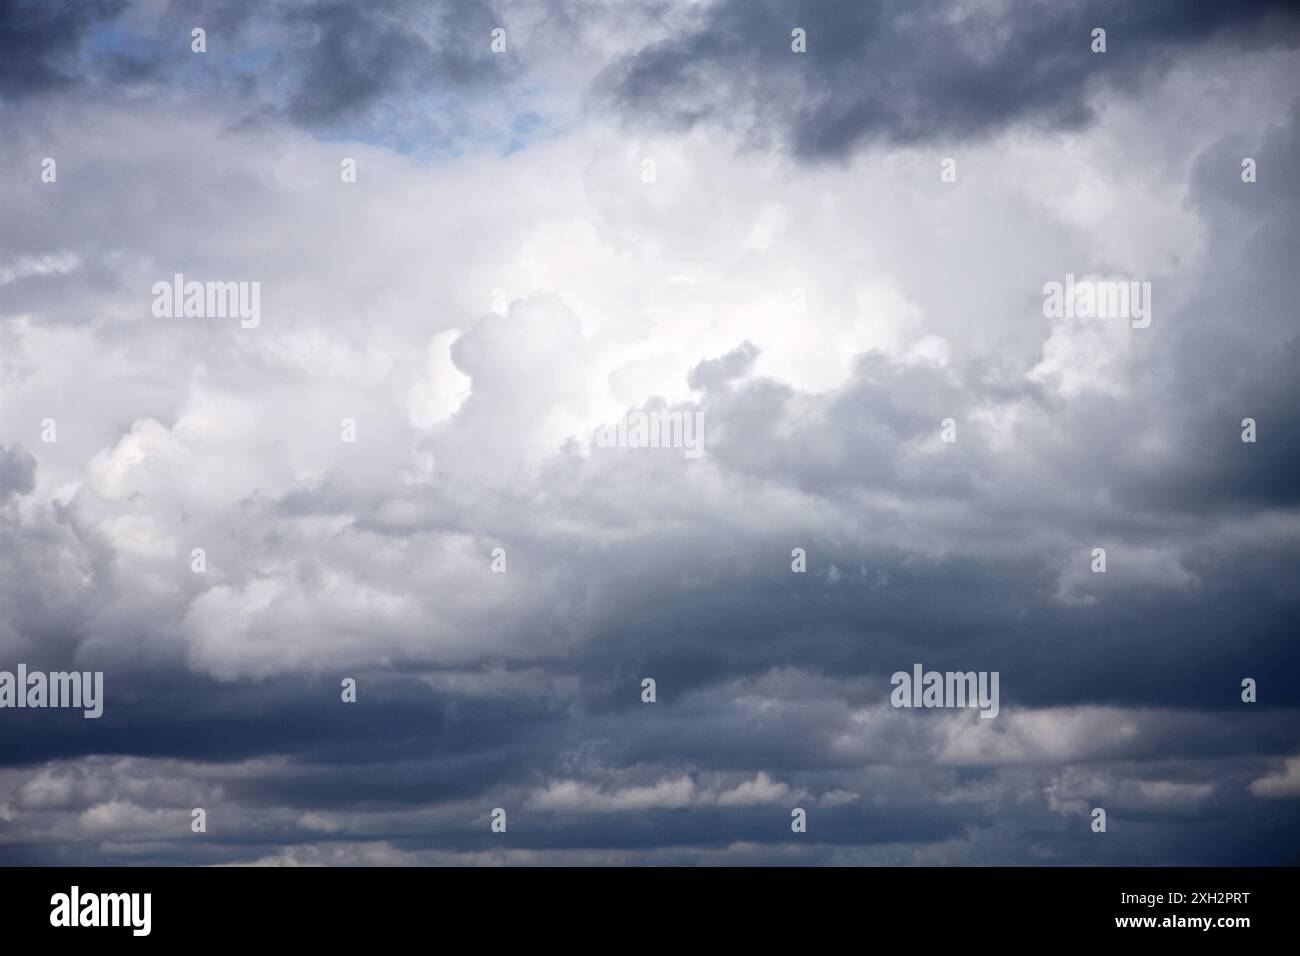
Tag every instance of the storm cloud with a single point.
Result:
(899, 72)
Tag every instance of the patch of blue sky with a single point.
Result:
(442, 128)
(111, 39)
(111, 42)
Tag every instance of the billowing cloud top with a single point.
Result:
(453, 259)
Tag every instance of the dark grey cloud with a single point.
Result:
(402, 66)
(40, 42)
(1237, 353)
(897, 72)
(347, 57)
(17, 472)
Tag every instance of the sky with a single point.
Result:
(835, 260)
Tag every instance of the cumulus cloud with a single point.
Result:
(1281, 784)
(581, 796)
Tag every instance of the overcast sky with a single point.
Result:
(650, 206)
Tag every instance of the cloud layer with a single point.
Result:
(660, 209)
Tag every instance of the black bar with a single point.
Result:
(622, 906)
